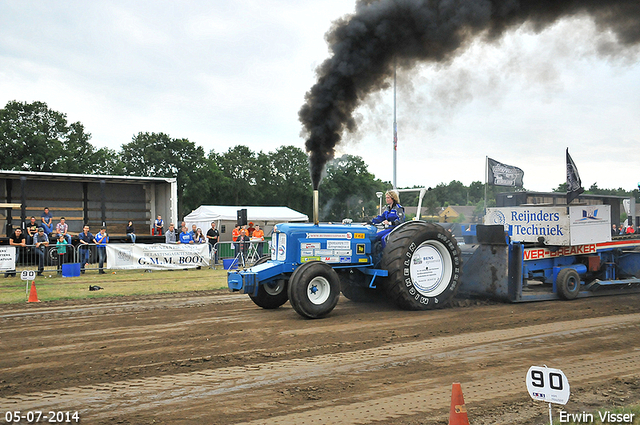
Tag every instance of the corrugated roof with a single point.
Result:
(37, 175)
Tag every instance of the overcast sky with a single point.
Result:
(224, 73)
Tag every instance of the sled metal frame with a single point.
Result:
(496, 269)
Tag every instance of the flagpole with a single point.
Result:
(486, 178)
(395, 128)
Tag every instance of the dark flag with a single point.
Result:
(574, 184)
(503, 175)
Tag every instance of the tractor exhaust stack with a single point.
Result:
(316, 213)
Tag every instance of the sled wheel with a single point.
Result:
(424, 265)
(568, 284)
(270, 295)
(314, 289)
(353, 285)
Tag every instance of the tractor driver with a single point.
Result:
(392, 216)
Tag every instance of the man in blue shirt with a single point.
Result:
(101, 240)
(86, 238)
(40, 241)
(185, 236)
(158, 226)
(47, 221)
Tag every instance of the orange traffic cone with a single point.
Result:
(458, 412)
(33, 295)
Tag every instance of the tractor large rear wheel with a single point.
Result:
(270, 295)
(424, 265)
(314, 289)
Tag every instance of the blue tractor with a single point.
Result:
(417, 266)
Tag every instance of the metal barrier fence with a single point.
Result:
(244, 253)
(50, 259)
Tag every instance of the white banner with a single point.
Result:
(590, 223)
(7, 257)
(157, 256)
(527, 224)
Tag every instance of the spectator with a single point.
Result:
(193, 230)
(61, 246)
(63, 229)
(32, 229)
(212, 236)
(250, 229)
(158, 226)
(235, 234)
(629, 230)
(40, 241)
(101, 241)
(185, 236)
(170, 236)
(131, 232)
(47, 221)
(86, 238)
(245, 241)
(18, 240)
(258, 235)
(198, 237)
(614, 230)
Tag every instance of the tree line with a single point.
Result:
(35, 138)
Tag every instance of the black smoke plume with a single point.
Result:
(366, 45)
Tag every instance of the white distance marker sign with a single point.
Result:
(28, 275)
(548, 385)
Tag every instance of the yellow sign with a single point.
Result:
(307, 259)
(358, 235)
(360, 248)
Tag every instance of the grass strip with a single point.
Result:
(52, 287)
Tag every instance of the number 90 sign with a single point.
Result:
(549, 385)
(28, 275)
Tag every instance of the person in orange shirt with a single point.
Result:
(235, 234)
(258, 235)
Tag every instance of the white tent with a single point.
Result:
(228, 215)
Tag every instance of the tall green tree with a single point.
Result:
(158, 155)
(348, 190)
(289, 181)
(210, 187)
(239, 167)
(36, 138)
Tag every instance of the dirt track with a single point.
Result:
(216, 358)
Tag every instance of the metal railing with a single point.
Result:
(50, 259)
(244, 253)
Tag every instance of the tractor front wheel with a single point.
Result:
(270, 295)
(314, 289)
(424, 265)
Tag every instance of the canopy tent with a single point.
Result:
(205, 214)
